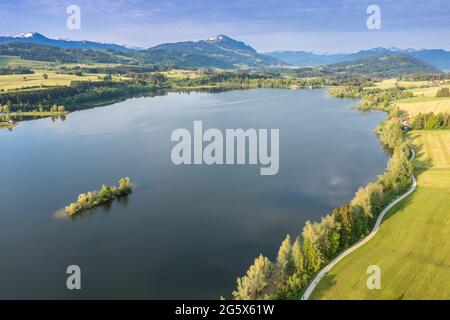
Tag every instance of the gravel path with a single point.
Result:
(359, 244)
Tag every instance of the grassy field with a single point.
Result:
(427, 92)
(391, 83)
(14, 61)
(424, 104)
(180, 73)
(412, 247)
(424, 99)
(5, 60)
(9, 82)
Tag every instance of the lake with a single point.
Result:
(188, 231)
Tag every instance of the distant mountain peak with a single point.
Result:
(218, 38)
(439, 58)
(219, 51)
(230, 43)
(26, 35)
(37, 38)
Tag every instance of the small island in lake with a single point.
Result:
(92, 199)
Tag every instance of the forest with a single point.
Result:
(78, 94)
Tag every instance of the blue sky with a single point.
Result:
(320, 26)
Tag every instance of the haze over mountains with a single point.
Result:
(382, 66)
(37, 38)
(217, 52)
(436, 57)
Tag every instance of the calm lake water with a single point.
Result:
(186, 231)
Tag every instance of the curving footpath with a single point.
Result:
(359, 244)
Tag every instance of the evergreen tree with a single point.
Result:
(284, 262)
(313, 259)
(343, 216)
(297, 257)
(256, 281)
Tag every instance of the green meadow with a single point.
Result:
(412, 247)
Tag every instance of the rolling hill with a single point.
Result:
(305, 58)
(383, 66)
(437, 57)
(37, 38)
(39, 52)
(216, 52)
(219, 51)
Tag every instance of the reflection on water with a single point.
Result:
(60, 214)
(187, 231)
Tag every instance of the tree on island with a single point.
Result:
(92, 199)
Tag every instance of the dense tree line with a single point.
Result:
(15, 70)
(430, 121)
(122, 70)
(5, 109)
(31, 51)
(156, 79)
(348, 80)
(373, 98)
(299, 259)
(92, 199)
(28, 99)
(78, 92)
(348, 91)
(83, 92)
(240, 79)
(380, 100)
(390, 133)
(98, 94)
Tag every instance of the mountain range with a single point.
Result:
(382, 66)
(215, 52)
(37, 38)
(219, 51)
(437, 57)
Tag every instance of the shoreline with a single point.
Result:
(313, 284)
(30, 115)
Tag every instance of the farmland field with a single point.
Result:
(412, 247)
(392, 83)
(14, 61)
(18, 81)
(427, 92)
(424, 104)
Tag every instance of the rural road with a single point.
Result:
(359, 244)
